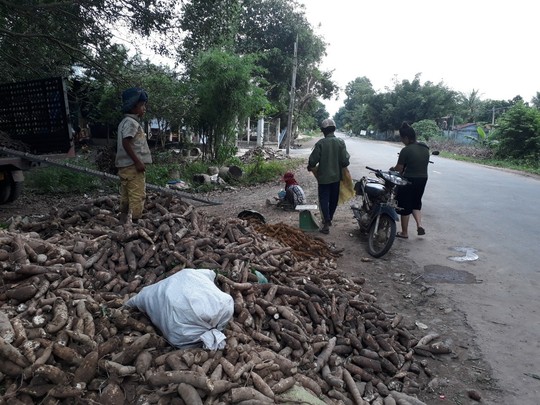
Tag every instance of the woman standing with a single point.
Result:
(412, 164)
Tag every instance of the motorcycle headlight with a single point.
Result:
(395, 178)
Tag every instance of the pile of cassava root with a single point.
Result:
(66, 337)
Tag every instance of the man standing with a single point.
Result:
(132, 154)
(327, 160)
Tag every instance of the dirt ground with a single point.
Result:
(396, 283)
(393, 279)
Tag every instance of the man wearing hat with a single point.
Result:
(132, 154)
(327, 160)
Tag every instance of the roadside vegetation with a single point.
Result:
(512, 142)
(484, 155)
(232, 63)
(61, 181)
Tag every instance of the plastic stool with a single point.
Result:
(306, 220)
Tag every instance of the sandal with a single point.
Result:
(400, 235)
(421, 231)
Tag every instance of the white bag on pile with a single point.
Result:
(188, 308)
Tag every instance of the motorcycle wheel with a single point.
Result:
(380, 243)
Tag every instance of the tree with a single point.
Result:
(313, 116)
(168, 102)
(208, 24)
(410, 101)
(41, 38)
(491, 110)
(355, 116)
(265, 30)
(536, 100)
(226, 92)
(471, 104)
(269, 28)
(518, 132)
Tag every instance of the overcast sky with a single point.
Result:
(486, 45)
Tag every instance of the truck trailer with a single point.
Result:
(34, 119)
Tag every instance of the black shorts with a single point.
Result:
(409, 197)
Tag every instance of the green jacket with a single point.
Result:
(330, 153)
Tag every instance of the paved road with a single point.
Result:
(494, 214)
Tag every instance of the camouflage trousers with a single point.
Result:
(132, 191)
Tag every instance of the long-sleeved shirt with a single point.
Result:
(330, 153)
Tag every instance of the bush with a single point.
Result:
(518, 132)
(426, 129)
(58, 180)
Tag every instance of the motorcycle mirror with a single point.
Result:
(435, 152)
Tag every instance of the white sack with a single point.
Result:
(188, 308)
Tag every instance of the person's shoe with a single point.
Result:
(325, 229)
(421, 231)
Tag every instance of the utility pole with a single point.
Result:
(291, 103)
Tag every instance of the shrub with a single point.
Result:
(59, 180)
(426, 129)
(518, 132)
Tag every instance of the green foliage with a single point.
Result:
(409, 101)
(483, 139)
(208, 24)
(536, 101)
(470, 105)
(426, 129)
(233, 161)
(227, 92)
(57, 180)
(354, 116)
(267, 29)
(168, 102)
(261, 171)
(48, 38)
(160, 174)
(225, 152)
(490, 110)
(518, 132)
(270, 28)
(485, 155)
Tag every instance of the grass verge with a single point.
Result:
(58, 180)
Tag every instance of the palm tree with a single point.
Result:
(472, 104)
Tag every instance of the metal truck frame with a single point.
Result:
(34, 118)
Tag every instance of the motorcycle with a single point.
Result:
(375, 209)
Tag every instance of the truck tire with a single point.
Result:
(10, 189)
(16, 190)
(5, 191)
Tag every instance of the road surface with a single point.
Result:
(483, 241)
